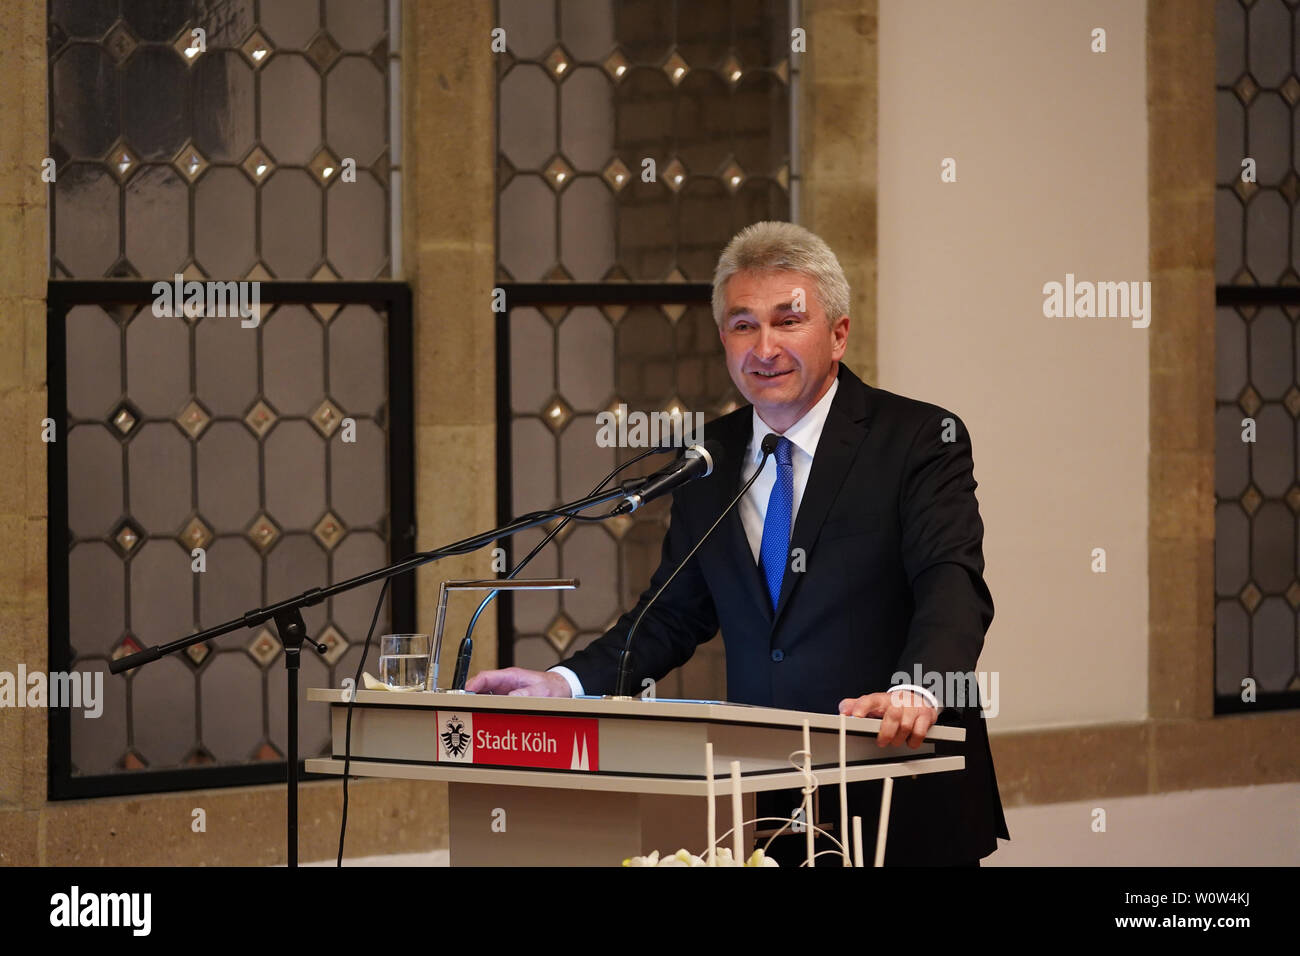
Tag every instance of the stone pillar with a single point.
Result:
(24, 244)
(450, 253)
(1180, 533)
(838, 145)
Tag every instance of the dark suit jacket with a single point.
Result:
(892, 539)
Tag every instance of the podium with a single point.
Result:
(590, 781)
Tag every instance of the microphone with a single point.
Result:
(768, 446)
(699, 461)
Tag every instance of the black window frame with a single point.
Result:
(394, 299)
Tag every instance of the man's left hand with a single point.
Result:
(905, 717)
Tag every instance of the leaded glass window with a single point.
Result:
(279, 489)
(1257, 392)
(270, 152)
(225, 140)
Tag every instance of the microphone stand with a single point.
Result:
(292, 630)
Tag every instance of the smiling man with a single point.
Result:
(855, 558)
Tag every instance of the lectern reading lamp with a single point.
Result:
(467, 643)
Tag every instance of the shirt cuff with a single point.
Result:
(575, 685)
(916, 689)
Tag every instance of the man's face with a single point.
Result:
(781, 352)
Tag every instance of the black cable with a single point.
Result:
(352, 698)
(625, 657)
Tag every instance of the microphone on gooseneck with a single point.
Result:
(699, 461)
(768, 446)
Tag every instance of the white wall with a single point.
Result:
(1233, 826)
(1050, 141)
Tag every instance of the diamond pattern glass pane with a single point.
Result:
(98, 599)
(232, 584)
(351, 611)
(209, 432)
(294, 372)
(224, 117)
(157, 221)
(295, 473)
(163, 712)
(155, 102)
(230, 735)
(225, 358)
(98, 743)
(95, 480)
(94, 363)
(130, 91)
(86, 202)
(601, 92)
(291, 231)
(158, 468)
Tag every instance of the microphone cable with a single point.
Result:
(625, 657)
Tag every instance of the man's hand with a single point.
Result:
(905, 717)
(519, 682)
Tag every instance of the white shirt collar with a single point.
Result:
(803, 434)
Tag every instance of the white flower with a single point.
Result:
(683, 857)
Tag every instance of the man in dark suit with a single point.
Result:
(853, 563)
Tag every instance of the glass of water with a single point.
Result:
(404, 660)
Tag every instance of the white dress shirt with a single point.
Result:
(804, 436)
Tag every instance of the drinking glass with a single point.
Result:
(404, 660)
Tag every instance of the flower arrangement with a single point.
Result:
(801, 760)
(683, 857)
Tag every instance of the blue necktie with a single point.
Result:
(775, 550)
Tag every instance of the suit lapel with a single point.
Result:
(845, 428)
(732, 530)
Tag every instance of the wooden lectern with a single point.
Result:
(590, 781)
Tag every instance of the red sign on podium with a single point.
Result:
(518, 740)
